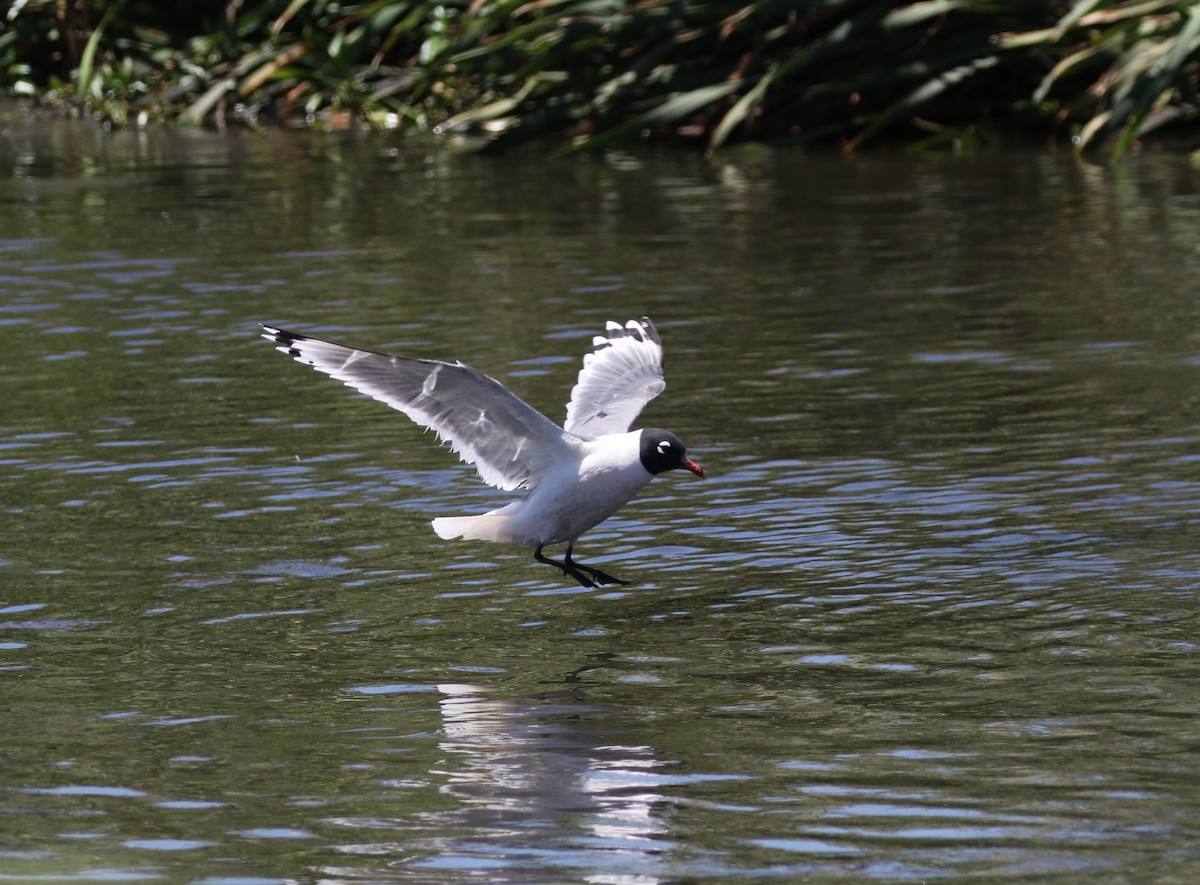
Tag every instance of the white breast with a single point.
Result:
(582, 495)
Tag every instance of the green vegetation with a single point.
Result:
(586, 72)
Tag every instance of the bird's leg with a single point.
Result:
(568, 567)
(598, 576)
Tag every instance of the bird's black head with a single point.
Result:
(662, 451)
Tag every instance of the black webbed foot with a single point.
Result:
(598, 576)
(586, 575)
(567, 567)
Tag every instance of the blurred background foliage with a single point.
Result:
(580, 73)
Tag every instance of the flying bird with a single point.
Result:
(574, 476)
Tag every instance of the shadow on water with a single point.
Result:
(933, 614)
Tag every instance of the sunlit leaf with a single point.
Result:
(918, 13)
(199, 109)
(264, 73)
(500, 108)
(742, 109)
(83, 75)
(921, 95)
(668, 112)
(287, 15)
(1072, 18)
(1157, 83)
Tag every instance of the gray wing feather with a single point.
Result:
(510, 443)
(618, 378)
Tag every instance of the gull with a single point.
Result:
(574, 477)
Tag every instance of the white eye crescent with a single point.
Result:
(663, 447)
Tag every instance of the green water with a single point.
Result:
(933, 615)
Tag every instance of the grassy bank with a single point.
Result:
(578, 74)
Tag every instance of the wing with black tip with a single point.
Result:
(510, 443)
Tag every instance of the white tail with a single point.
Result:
(489, 527)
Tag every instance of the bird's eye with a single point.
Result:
(663, 447)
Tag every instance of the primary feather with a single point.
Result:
(618, 378)
(510, 443)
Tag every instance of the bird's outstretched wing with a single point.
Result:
(510, 443)
(618, 378)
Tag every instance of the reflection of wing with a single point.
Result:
(618, 378)
(510, 443)
(557, 763)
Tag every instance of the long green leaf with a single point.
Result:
(87, 61)
(286, 16)
(807, 55)
(669, 111)
(1159, 81)
(921, 95)
(1072, 18)
(742, 109)
(1110, 43)
(199, 109)
(1090, 129)
(920, 12)
(490, 111)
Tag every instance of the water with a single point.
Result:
(934, 614)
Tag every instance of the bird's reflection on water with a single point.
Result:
(520, 788)
(550, 774)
